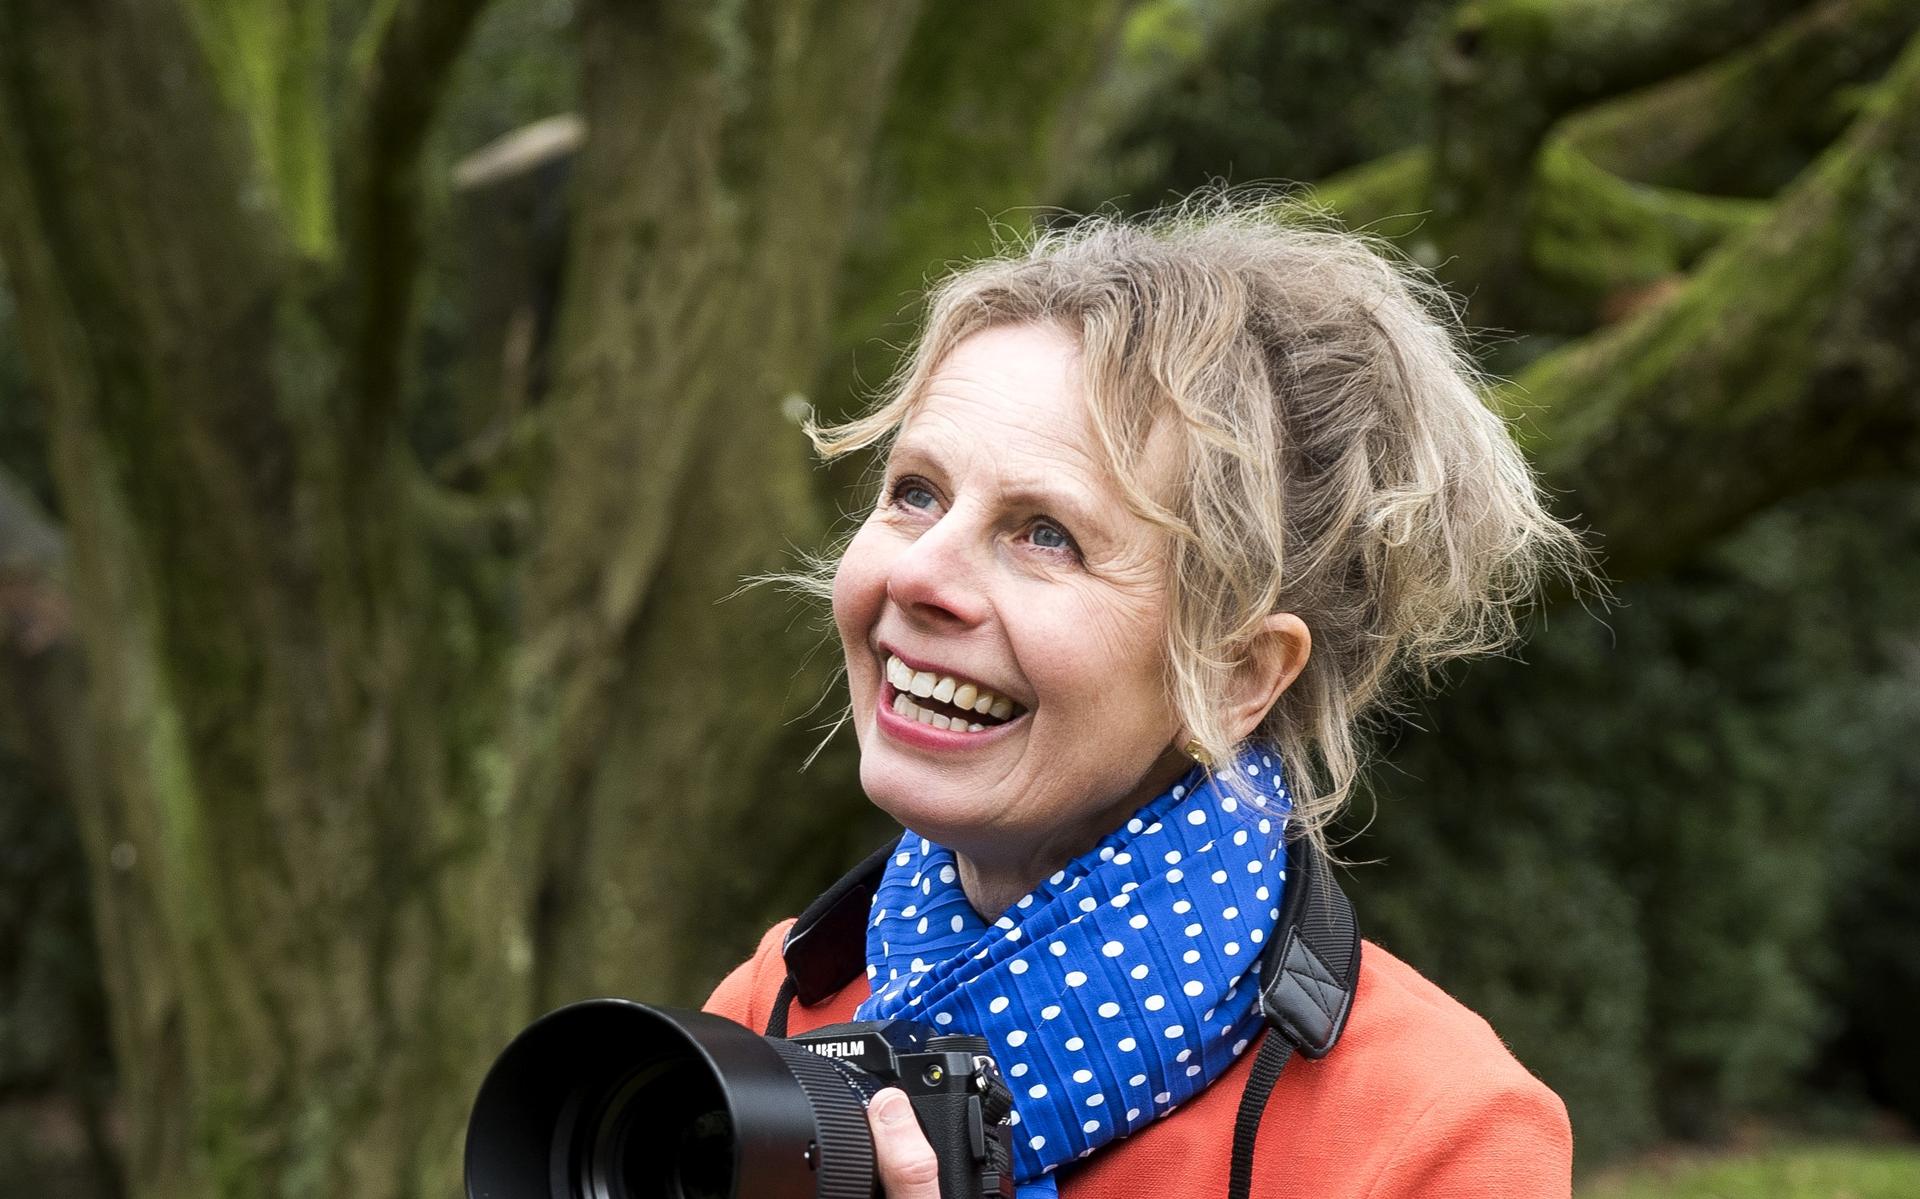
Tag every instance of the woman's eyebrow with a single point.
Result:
(911, 448)
(1059, 493)
(1057, 497)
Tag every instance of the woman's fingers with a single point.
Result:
(908, 1168)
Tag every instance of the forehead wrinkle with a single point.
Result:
(1030, 460)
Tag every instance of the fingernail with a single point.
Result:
(893, 1107)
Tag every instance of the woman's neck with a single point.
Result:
(993, 893)
(995, 881)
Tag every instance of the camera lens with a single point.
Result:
(610, 1099)
(663, 1133)
(703, 1167)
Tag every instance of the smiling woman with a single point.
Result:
(1167, 511)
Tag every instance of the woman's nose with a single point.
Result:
(940, 577)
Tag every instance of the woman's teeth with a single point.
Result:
(910, 684)
(912, 711)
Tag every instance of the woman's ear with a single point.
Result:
(1274, 659)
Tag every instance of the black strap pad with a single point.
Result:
(827, 946)
(1311, 966)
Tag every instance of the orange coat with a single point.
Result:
(1419, 1100)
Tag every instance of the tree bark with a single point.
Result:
(709, 733)
(989, 123)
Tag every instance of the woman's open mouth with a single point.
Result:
(947, 702)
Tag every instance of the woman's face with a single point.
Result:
(1001, 557)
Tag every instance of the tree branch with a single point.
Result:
(1746, 124)
(1564, 55)
(1598, 240)
(1788, 362)
(1515, 67)
(1386, 197)
(1624, 196)
(415, 47)
(1594, 239)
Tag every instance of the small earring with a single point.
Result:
(1197, 752)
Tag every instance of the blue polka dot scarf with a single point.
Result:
(1118, 988)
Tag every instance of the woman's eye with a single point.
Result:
(914, 494)
(1049, 536)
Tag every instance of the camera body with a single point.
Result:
(956, 1089)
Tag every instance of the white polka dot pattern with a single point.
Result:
(1112, 989)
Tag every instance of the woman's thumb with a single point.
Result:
(906, 1162)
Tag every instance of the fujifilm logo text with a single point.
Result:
(839, 1048)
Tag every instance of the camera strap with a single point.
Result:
(1309, 973)
(1310, 970)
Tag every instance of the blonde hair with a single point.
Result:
(1337, 460)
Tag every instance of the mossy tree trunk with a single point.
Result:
(291, 888)
(377, 767)
(715, 190)
(338, 760)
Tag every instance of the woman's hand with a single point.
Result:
(907, 1165)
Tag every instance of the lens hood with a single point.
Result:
(611, 1099)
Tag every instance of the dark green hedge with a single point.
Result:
(1671, 855)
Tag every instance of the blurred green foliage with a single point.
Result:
(1798, 1172)
(1639, 852)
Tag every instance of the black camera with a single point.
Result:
(610, 1099)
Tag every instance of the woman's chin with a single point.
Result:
(930, 799)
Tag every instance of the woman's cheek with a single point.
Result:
(859, 590)
(1111, 631)
(858, 586)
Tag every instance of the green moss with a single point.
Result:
(1595, 235)
(268, 59)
